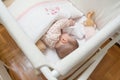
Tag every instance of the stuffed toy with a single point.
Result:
(89, 22)
(90, 25)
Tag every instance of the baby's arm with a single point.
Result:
(69, 22)
(60, 24)
(52, 35)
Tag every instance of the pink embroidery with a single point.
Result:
(52, 11)
(34, 6)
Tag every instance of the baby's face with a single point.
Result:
(64, 38)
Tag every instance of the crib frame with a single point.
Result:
(7, 20)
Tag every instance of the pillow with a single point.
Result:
(64, 8)
(37, 19)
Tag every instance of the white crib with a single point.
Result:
(107, 16)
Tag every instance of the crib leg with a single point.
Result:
(99, 57)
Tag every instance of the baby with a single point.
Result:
(61, 41)
(63, 33)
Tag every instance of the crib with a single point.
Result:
(83, 59)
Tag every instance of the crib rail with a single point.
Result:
(64, 65)
(99, 57)
(89, 66)
(89, 47)
(23, 41)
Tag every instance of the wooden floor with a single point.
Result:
(21, 68)
(109, 67)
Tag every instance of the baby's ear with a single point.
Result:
(64, 40)
(40, 44)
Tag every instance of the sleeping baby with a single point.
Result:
(63, 35)
(61, 41)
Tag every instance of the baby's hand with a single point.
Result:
(71, 22)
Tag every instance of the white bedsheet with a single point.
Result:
(35, 27)
(35, 17)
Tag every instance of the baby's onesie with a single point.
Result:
(79, 31)
(53, 34)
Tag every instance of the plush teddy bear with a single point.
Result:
(90, 25)
(89, 22)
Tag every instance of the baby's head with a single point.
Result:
(65, 45)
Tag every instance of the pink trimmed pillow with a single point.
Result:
(36, 20)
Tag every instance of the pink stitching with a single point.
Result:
(52, 11)
(38, 4)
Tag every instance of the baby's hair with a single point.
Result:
(64, 50)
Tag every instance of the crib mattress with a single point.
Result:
(37, 24)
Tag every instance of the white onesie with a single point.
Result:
(79, 31)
